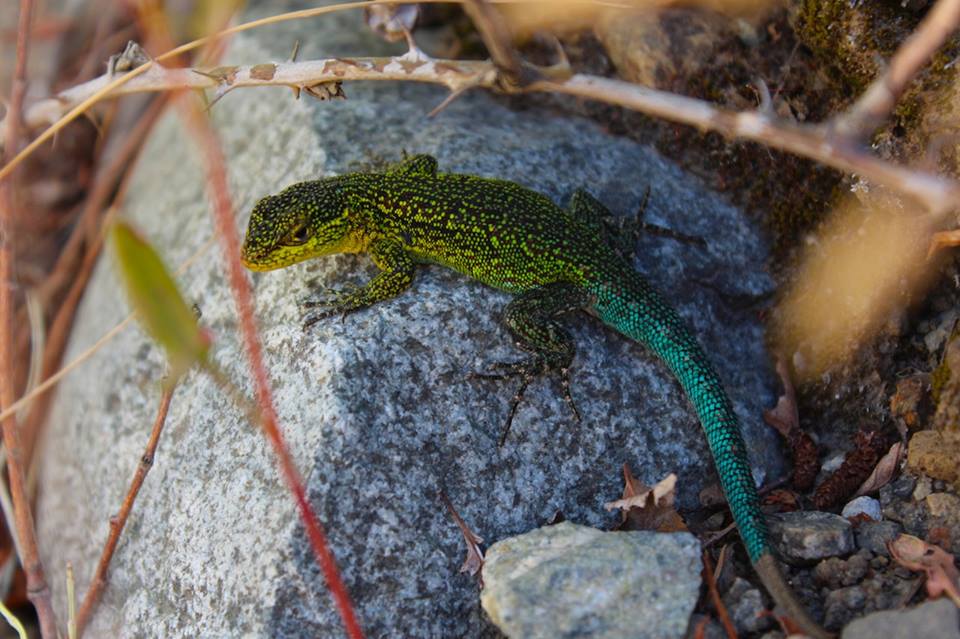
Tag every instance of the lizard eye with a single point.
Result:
(297, 235)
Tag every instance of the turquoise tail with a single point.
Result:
(631, 306)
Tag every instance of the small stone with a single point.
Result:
(935, 454)
(923, 488)
(936, 337)
(810, 535)
(832, 463)
(857, 567)
(911, 401)
(828, 572)
(867, 506)
(943, 505)
(657, 48)
(745, 605)
(874, 535)
(943, 525)
(937, 619)
(842, 605)
(836, 573)
(903, 486)
(574, 581)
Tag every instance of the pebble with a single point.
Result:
(874, 535)
(810, 535)
(568, 580)
(867, 506)
(745, 605)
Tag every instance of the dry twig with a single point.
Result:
(118, 521)
(37, 589)
(822, 143)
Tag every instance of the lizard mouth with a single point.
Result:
(253, 260)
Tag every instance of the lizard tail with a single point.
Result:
(632, 307)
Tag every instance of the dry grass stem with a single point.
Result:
(37, 590)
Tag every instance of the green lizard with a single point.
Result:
(514, 239)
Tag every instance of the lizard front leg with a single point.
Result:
(396, 274)
(532, 319)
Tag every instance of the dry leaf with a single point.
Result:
(916, 554)
(646, 508)
(884, 471)
(474, 561)
(785, 501)
(785, 417)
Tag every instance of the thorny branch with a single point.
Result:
(831, 143)
(37, 589)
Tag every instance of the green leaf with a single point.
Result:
(155, 297)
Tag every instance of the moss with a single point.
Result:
(941, 374)
(938, 378)
(851, 41)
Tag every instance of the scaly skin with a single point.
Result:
(516, 240)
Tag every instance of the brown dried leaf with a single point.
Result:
(916, 554)
(884, 471)
(784, 500)
(474, 561)
(646, 508)
(784, 416)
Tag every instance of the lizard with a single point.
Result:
(554, 260)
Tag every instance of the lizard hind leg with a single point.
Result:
(532, 318)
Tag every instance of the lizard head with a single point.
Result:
(308, 219)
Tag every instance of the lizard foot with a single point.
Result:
(337, 302)
(527, 370)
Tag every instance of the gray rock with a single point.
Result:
(874, 535)
(901, 487)
(574, 581)
(745, 604)
(810, 535)
(376, 408)
(931, 620)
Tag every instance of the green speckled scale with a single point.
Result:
(517, 240)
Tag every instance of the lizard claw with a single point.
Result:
(527, 370)
(338, 302)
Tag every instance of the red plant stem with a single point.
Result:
(99, 581)
(711, 580)
(152, 17)
(226, 231)
(37, 589)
